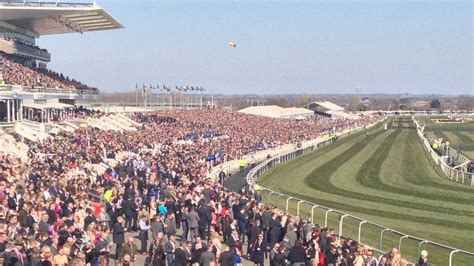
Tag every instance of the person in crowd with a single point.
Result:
(143, 235)
(157, 253)
(118, 237)
(257, 250)
(170, 249)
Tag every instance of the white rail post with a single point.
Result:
(400, 242)
(312, 212)
(287, 203)
(341, 221)
(360, 230)
(269, 196)
(451, 256)
(326, 217)
(298, 207)
(381, 237)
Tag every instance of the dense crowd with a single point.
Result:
(15, 72)
(55, 211)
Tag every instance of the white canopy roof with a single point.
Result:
(330, 106)
(276, 111)
(36, 106)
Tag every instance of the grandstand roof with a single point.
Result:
(276, 111)
(37, 18)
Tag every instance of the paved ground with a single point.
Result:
(237, 181)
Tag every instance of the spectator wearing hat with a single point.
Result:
(423, 261)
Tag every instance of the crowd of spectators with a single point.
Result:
(55, 211)
(15, 72)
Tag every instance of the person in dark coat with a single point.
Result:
(254, 232)
(128, 211)
(89, 219)
(297, 254)
(280, 258)
(274, 230)
(184, 223)
(170, 249)
(183, 254)
(118, 236)
(241, 224)
(227, 257)
(157, 254)
(193, 221)
(257, 250)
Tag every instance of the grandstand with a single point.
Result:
(28, 89)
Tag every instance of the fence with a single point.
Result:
(362, 230)
(455, 175)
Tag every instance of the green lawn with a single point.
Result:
(386, 178)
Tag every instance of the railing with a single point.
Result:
(314, 210)
(32, 51)
(455, 175)
(73, 91)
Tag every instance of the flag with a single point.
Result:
(158, 87)
(144, 90)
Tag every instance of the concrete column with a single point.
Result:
(9, 109)
(13, 111)
(21, 110)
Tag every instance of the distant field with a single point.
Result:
(386, 178)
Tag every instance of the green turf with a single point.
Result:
(386, 178)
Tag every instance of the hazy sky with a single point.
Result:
(282, 47)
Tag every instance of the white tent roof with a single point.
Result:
(36, 106)
(55, 105)
(276, 111)
(330, 106)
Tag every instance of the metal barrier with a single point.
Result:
(261, 168)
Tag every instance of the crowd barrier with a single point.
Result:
(293, 204)
(458, 176)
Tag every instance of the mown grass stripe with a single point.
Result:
(369, 174)
(319, 180)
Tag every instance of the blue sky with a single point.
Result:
(282, 47)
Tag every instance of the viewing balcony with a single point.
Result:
(86, 94)
(18, 48)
